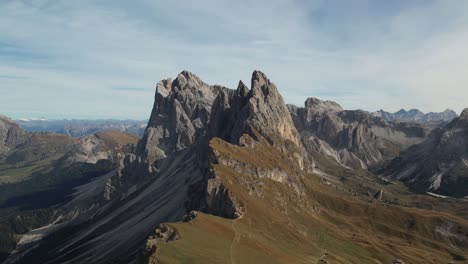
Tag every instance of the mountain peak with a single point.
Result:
(163, 87)
(259, 79)
(322, 106)
(464, 114)
(401, 111)
(415, 111)
(242, 89)
(185, 78)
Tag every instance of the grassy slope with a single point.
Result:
(18, 173)
(335, 221)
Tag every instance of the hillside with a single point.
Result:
(38, 172)
(438, 164)
(353, 138)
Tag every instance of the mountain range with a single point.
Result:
(226, 175)
(432, 119)
(439, 164)
(39, 171)
(78, 128)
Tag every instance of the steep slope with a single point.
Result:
(48, 166)
(353, 138)
(11, 135)
(237, 157)
(321, 223)
(439, 164)
(172, 159)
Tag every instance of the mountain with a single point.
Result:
(39, 171)
(11, 135)
(439, 164)
(78, 128)
(431, 119)
(353, 138)
(227, 176)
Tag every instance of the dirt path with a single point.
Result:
(236, 239)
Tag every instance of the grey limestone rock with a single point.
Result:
(439, 164)
(362, 139)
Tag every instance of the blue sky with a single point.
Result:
(102, 59)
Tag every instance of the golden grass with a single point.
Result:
(340, 224)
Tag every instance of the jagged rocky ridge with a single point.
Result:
(353, 138)
(439, 164)
(171, 171)
(194, 131)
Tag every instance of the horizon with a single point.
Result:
(64, 117)
(82, 60)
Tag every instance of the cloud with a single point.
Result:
(14, 77)
(88, 57)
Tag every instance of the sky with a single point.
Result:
(102, 59)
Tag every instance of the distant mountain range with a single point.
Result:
(78, 128)
(432, 119)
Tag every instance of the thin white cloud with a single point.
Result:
(73, 53)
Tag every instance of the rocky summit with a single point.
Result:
(226, 175)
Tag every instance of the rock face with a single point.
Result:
(198, 139)
(164, 233)
(172, 170)
(260, 113)
(100, 146)
(378, 195)
(431, 119)
(353, 138)
(180, 116)
(11, 135)
(439, 164)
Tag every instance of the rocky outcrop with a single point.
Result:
(439, 164)
(107, 145)
(179, 117)
(260, 113)
(11, 135)
(378, 195)
(353, 138)
(219, 201)
(170, 173)
(178, 123)
(164, 233)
